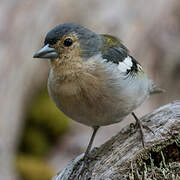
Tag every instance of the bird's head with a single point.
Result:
(69, 40)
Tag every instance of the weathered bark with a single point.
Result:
(123, 157)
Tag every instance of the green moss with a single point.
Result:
(160, 163)
(31, 168)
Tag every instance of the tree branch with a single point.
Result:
(123, 157)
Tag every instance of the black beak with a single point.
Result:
(46, 52)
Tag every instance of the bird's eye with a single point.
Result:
(68, 42)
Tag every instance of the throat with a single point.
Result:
(66, 69)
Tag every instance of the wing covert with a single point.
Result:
(114, 51)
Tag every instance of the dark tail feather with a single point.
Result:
(154, 89)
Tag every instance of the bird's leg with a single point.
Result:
(138, 123)
(86, 155)
(141, 126)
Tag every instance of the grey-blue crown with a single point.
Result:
(90, 42)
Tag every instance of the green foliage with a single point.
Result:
(36, 142)
(44, 125)
(44, 114)
(31, 168)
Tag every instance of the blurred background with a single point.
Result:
(36, 139)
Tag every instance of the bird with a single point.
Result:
(93, 79)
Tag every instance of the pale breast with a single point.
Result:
(86, 100)
(99, 97)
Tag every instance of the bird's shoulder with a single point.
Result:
(114, 51)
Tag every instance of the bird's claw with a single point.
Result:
(141, 126)
(148, 128)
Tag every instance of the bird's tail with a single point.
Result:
(154, 89)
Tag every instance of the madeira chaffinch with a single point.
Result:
(93, 79)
